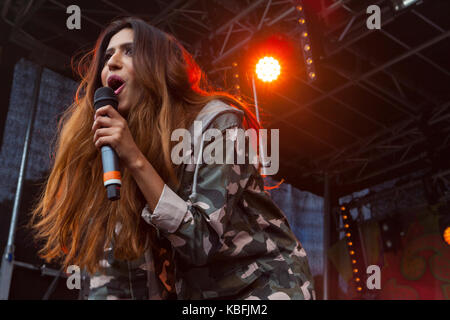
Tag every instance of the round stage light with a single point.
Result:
(447, 235)
(268, 69)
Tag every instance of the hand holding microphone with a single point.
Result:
(111, 172)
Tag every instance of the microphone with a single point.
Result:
(111, 171)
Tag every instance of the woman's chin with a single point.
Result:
(122, 110)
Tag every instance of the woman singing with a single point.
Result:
(179, 231)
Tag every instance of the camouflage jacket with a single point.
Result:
(221, 236)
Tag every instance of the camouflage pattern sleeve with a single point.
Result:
(195, 226)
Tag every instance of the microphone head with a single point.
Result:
(104, 96)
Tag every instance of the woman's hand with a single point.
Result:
(110, 128)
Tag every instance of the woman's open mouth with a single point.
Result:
(119, 89)
(116, 83)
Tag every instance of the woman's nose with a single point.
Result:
(115, 61)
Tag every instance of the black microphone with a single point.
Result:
(111, 171)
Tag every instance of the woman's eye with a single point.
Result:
(129, 51)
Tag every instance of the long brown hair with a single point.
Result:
(72, 216)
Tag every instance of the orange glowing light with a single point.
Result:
(346, 225)
(352, 252)
(268, 69)
(344, 217)
(359, 289)
(447, 235)
(354, 261)
(350, 244)
(355, 270)
(348, 235)
(357, 279)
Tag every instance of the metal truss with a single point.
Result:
(371, 73)
(396, 142)
(234, 34)
(399, 198)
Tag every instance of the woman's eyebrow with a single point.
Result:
(110, 50)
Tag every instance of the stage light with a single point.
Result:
(235, 81)
(268, 69)
(444, 222)
(447, 235)
(402, 4)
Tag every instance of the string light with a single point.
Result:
(307, 47)
(304, 34)
(299, 8)
(352, 247)
(309, 61)
(301, 21)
